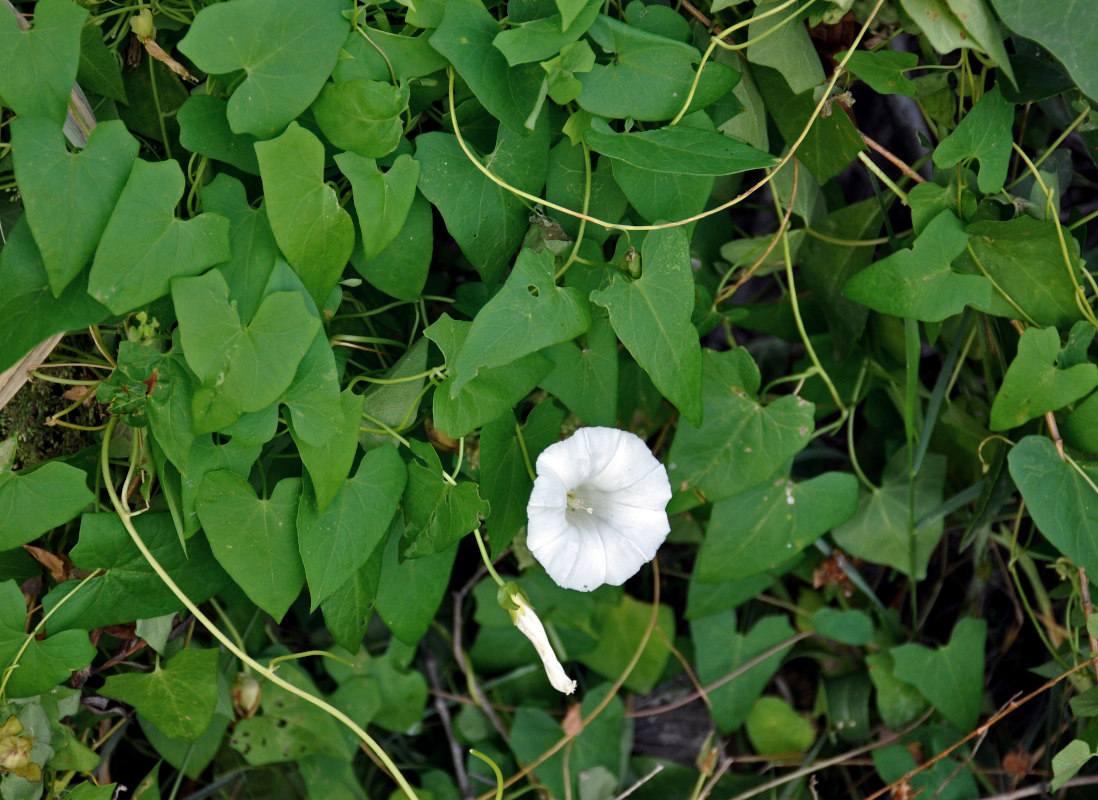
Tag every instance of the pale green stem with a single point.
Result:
(125, 517)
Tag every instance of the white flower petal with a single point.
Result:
(596, 513)
(527, 621)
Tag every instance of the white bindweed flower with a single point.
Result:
(527, 621)
(597, 511)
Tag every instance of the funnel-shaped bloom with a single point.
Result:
(527, 621)
(596, 513)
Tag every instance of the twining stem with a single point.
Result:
(610, 695)
(125, 516)
(583, 222)
(30, 637)
(485, 557)
(824, 99)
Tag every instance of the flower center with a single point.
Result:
(578, 504)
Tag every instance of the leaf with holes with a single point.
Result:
(529, 313)
(651, 316)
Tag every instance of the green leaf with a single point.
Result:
(30, 312)
(897, 702)
(129, 589)
(68, 197)
(254, 251)
(33, 502)
(719, 651)
(784, 46)
(311, 228)
(919, 283)
(371, 55)
(45, 662)
(620, 628)
(395, 404)
(529, 313)
(952, 24)
(404, 692)
(409, 592)
(648, 76)
(951, 677)
(658, 196)
(348, 610)
(288, 728)
(1080, 426)
(585, 378)
(329, 463)
(880, 530)
(826, 266)
(401, 268)
(246, 367)
(362, 116)
(985, 133)
(144, 245)
(488, 395)
(504, 479)
(681, 150)
(99, 71)
(766, 526)
(773, 726)
(437, 514)
(207, 456)
(204, 128)
(1033, 385)
(540, 39)
(38, 66)
(884, 70)
(832, 142)
(382, 200)
(852, 627)
(651, 316)
(336, 542)
(565, 185)
(1024, 258)
(313, 399)
(178, 697)
(287, 48)
(1065, 30)
(741, 443)
(487, 221)
(1060, 496)
(254, 540)
(466, 38)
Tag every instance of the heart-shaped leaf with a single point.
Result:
(651, 316)
(530, 312)
(287, 48)
(33, 503)
(311, 228)
(336, 542)
(254, 540)
(247, 367)
(178, 697)
(69, 197)
(38, 67)
(145, 245)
